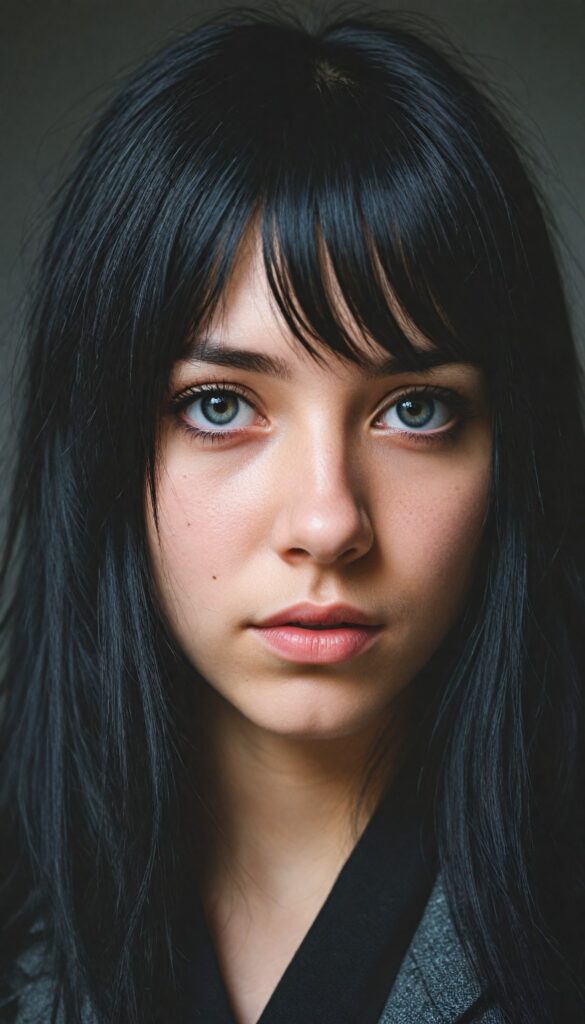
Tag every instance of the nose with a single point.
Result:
(321, 516)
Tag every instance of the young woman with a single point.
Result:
(292, 715)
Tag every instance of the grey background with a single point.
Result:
(59, 59)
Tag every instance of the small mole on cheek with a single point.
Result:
(214, 577)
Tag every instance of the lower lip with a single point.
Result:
(318, 647)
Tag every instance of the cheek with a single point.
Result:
(433, 527)
(208, 528)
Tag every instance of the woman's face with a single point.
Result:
(320, 486)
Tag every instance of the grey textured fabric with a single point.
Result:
(35, 1004)
(435, 983)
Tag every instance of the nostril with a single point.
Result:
(302, 533)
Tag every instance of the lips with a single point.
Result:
(318, 634)
(318, 616)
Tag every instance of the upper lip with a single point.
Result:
(319, 615)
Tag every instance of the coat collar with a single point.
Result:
(436, 983)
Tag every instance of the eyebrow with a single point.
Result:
(276, 366)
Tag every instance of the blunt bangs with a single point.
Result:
(364, 170)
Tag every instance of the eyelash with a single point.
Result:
(456, 402)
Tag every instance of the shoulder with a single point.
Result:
(436, 983)
(37, 991)
(36, 987)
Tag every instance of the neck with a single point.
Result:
(284, 808)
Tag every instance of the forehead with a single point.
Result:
(248, 317)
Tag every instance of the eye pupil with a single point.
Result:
(417, 410)
(220, 409)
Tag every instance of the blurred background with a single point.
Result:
(61, 59)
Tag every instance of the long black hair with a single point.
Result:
(361, 141)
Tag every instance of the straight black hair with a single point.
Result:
(361, 142)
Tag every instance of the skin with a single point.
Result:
(319, 496)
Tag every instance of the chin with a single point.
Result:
(311, 716)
